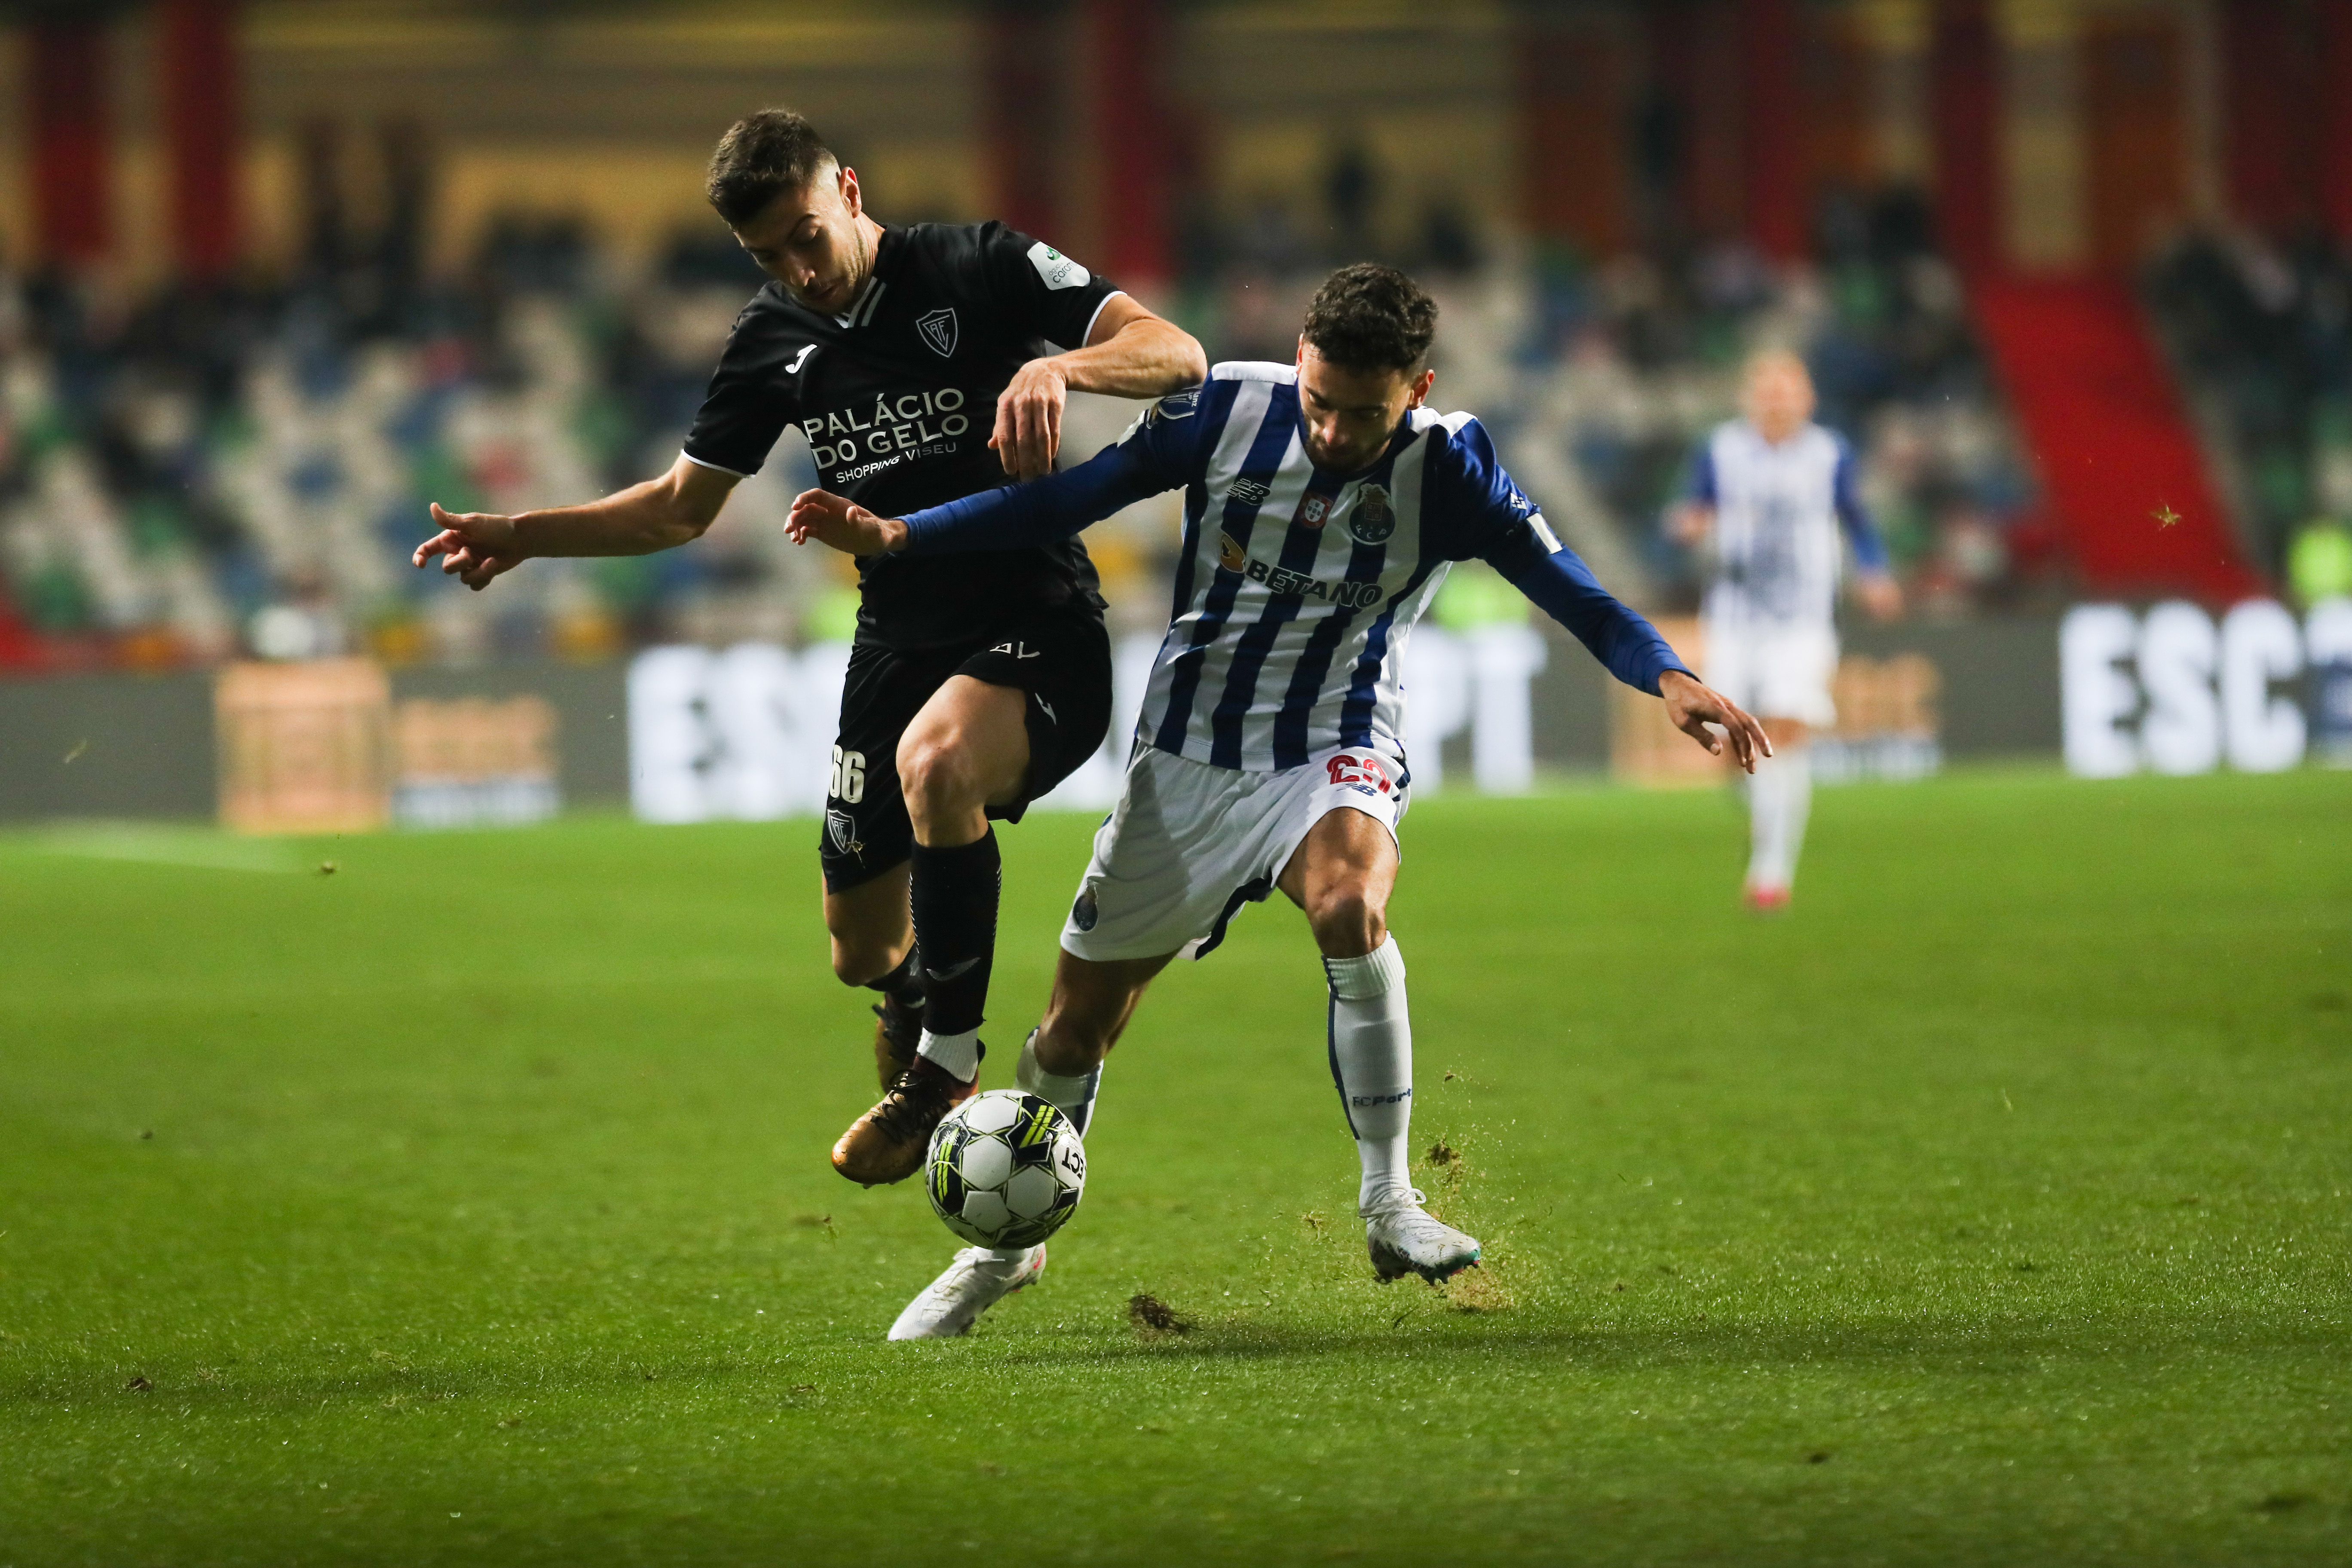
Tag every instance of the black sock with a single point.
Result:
(903, 984)
(954, 897)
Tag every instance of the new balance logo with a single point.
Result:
(1249, 491)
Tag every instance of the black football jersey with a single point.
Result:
(897, 398)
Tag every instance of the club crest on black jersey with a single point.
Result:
(898, 399)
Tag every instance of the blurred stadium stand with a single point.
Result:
(272, 275)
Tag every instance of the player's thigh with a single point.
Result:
(1348, 860)
(968, 744)
(1339, 818)
(1794, 669)
(1186, 847)
(1059, 662)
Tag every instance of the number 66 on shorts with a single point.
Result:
(845, 780)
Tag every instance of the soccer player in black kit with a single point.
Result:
(919, 362)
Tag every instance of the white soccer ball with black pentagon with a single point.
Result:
(1006, 1169)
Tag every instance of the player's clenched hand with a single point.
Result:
(1029, 419)
(475, 546)
(841, 522)
(1693, 707)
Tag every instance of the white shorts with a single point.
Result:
(1776, 671)
(1190, 843)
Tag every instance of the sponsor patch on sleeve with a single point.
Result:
(1058, 270)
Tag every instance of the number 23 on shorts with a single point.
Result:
(1350, 770)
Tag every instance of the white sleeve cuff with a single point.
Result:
(714, 468)
(1086, 336)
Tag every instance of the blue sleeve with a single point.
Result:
(1161, 452)
(1701, 487)
(1625, 642)
(1869, 554)
(1468, 501)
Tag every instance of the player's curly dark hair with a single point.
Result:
(1367, 317)
(761, 156)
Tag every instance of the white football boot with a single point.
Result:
(1405, 1239)
(977, 1280)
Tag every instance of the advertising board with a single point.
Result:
(2172, 689)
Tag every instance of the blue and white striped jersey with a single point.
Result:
(1778, 509)
(1297, 588)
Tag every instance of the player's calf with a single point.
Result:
(897, 1032)
(897, 1018)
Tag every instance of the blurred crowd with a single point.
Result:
(2261, 333)
(243, 469)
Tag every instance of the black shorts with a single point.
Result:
(1061, 660)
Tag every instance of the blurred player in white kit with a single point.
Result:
(1770, 493)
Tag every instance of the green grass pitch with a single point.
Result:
(470, 1204)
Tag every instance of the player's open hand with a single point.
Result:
(1029, 419)
(843, 524)
(474, 546)
(1693, 707)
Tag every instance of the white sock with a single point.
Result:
(1372, 1061)
(1779, 799)
(1072, 1094)
(958, 1054)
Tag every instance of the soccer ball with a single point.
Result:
(1006, 1169)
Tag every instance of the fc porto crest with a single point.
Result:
(1175, 406)
(938, 330)
(1373, 519)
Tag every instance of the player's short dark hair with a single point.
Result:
(761, 156)
(1367, 317)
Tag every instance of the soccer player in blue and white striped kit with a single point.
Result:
(1323, 505)
(1770, 494)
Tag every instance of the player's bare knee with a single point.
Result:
(1348, 921)
(1067, 1048)
(938, 777)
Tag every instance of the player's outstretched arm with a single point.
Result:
(1873, 584)
(1009, 517)
(1130, 352)
(1693, 706)
(475, 546)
